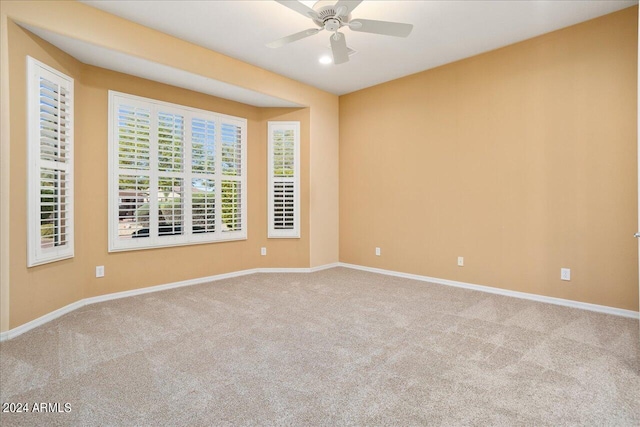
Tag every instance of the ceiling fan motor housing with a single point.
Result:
(328, 17)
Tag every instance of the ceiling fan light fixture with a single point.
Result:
(325, 59)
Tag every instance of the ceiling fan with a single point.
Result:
(331, 17)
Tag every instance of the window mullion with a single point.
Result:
(187, 199)
(218, 178)
(58, 216)
(153, 177)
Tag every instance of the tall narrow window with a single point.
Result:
(178, 174)
(50, 167)
(284, 179)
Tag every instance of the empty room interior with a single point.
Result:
(319, 213)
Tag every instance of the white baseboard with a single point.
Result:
(158, 288)
(324, 267)
(12, 333)
(523, 295)
(297, 270)
(19, 330)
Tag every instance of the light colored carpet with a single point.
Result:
(336, 347)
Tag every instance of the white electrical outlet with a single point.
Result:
(565, 274)
(263, 251)
(100, 271)
(377, 251)
(460, 261)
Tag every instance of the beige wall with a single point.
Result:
(522, 160)
(91, 25)
(40, 290)
(323, 192)
(5, 163)
(50, 286)
(131, 269)
(28, 293)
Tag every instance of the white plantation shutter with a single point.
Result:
(203, 168)
(231, 187)
(284, 179)
(178, 174)
(133, 137)
(170, 142)
(203, 205)
(171, 176)
(133, 134)
(50, 171)
(203, 148)
(134, 169)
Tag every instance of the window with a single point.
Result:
(284, 179)
(50, 167)
(177, 174)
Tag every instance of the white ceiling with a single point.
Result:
(444, 31)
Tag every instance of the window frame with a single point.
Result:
(36, 255)
(272, 232)
(188, 237)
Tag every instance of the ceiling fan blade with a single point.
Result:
(387, 28)
(349, 5)
(339, 48)
(293, 37)
(301, 8)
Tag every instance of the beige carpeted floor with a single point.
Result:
(336, 347)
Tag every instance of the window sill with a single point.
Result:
(113, 249)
